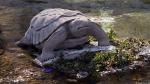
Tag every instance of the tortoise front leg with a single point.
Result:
(50, 45)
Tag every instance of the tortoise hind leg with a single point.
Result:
(48, 56)
(31, 49)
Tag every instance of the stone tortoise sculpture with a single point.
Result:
(57, 28)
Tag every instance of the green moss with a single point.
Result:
(125, 53)
(91, 38)
(112, 35)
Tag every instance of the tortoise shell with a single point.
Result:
(44, 24)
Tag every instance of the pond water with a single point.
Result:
(133, 25)
(129, 24)
(126, 25)
(136, 24)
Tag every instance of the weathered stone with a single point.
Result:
(72, 54)
(59, 28)
(145, 51)
(82, 75)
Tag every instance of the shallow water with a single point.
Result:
(132, 24)
(127, 25)
(136, 25)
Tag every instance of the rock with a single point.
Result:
(82, 74)
(138, 63)
(1, 80)
(19, 79)
(145, 51)
(72, 80)
(72, 54)
(48, 69)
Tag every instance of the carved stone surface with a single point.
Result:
(72, 54)
(58, 29)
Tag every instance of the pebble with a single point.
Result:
(1, 80)
(19, 79)
(47, 69)
(72, 80)
(82, 74)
